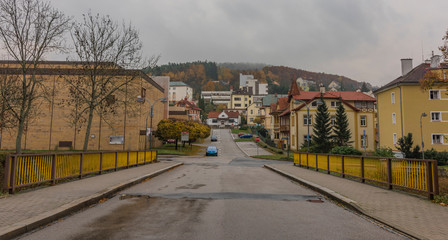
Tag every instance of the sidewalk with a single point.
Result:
(24, 211)
(415, 216)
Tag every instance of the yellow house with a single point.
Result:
(240, 100)
(265, 110)
(402, 104)
(359, 107)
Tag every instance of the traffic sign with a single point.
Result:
(257, 139)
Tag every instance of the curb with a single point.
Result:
(76, 205)
(346, 202)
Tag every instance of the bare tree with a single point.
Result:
(28, 30)
(103, 49)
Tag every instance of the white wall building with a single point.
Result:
(179, 91)
(217, 97)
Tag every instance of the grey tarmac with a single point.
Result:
(226, 197)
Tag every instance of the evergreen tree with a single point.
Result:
(322, 129)
(341, 130)
(364, 87)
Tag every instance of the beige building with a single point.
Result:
(52, 127)
(179, 91)
(359, 107)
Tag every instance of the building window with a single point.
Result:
(435, 116)
(363, 140)
(293, 119)
(293, 140)
(237, 105)
(214, 120)
(437, 139)
(251, 119)
(315, 103)
(394, 118)
(237, 99)
(174, 88)
(434, 94)
(395, 139)
(251, 111)
(333, 121)
(305, 139)
(335, 104)
(363, 121)
(143, 93)
(307, 121)
(392, 98)
(245, 105)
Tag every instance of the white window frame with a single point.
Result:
(441, 138)
(364, 141)
(394, 139)
(365, 121)
(335, 104)
(309, 121)
(392, 97)
(438, 95)
(439, 114)
(394, 118)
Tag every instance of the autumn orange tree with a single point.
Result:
(172, 129)
(435, 77)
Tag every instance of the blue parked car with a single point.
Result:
(246, 136)
(211, 151)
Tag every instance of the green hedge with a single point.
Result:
(345, 150)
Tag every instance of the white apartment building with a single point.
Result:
(252, 85)
(179, 91)
(217, 97)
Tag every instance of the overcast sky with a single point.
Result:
(360, 39)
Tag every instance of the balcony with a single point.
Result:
(284, 128)
(276, 125)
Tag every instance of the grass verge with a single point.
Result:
(236, 131)
(442, 198)
(279, 157)
(170, 149)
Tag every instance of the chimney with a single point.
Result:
(435, 61)
(322, 88)
(406, 66)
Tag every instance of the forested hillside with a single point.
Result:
(210, 76)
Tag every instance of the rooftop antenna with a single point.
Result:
(423, 58)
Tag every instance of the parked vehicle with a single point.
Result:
(170, 141)
(211, 151)
(214, 138)
(241, 134)
(246, 136)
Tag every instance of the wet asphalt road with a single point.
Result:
(224, 197)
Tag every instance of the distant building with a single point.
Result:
(179, 91)
(163, 81)
(401, 104)
(334, 86)
(265, 111)
(185, 110)
(305, 84)
(223, 119)
(253, 86)
(217, 97)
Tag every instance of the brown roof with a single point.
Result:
(293, 90)
(213, 114)
(189, 104)
(233, 114)
(412, 77)
(279, 107)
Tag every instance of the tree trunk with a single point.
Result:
(176, 144)
(19, 136)
(89, 125)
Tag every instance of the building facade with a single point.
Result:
(185, 110)
(121, 126)
(217, 97)
(403, 104)
(223, 119)
(179, 91)
(359, 108)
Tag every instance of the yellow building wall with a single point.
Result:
(244, 101)
(415, 101)
(300, 130)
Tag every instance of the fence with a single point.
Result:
(412, 174)
(22, 170)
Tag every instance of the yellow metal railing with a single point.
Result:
(29, 169)
(414, 174)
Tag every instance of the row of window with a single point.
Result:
(437, 138)
(435, 117)
(309, 121)
(433, 95)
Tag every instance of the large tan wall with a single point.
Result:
(52, 123)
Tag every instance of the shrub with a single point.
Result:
(442, 158)
(345, 150)
(383, 152)
(243, 128)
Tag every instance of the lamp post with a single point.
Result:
(307, 123)
(151, 114)
(421, 134)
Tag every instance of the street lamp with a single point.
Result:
(421, 133)
(151, 114)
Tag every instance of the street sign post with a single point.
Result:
(185, 136)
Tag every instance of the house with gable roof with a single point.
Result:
(224, 119)
(359, 108)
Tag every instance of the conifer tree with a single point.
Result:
(341, 130)
(322, 129)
